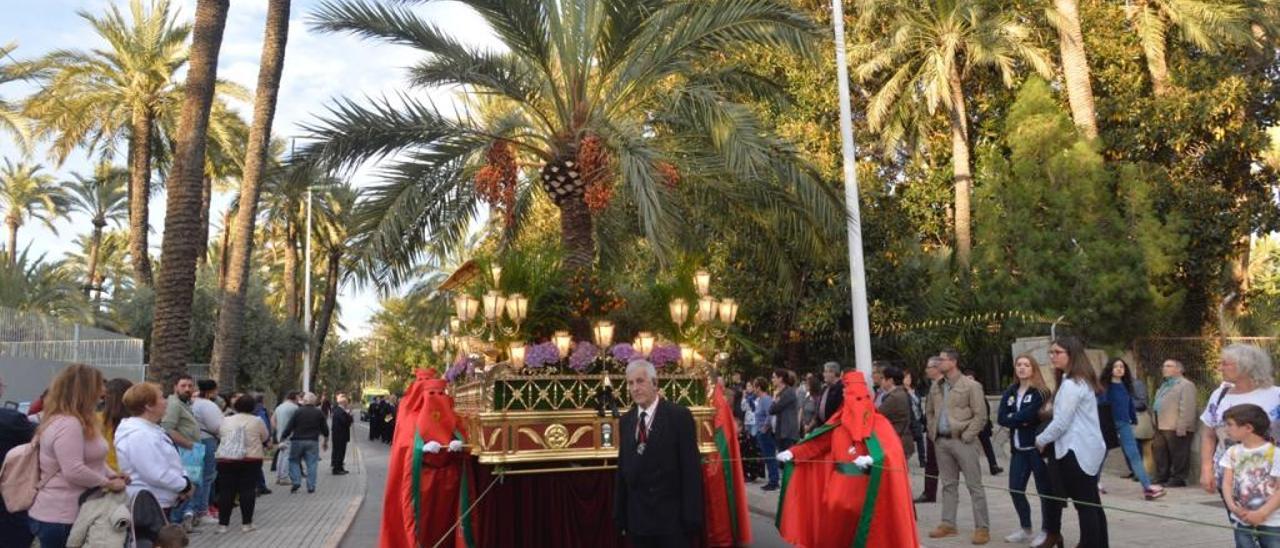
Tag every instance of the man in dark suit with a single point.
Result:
(341, 431)
(658, 498)
(832, 393)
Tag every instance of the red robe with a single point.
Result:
(827, 501)
(425, 492)
(728, 523)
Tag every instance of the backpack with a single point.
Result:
(233, 446)
(20, 477)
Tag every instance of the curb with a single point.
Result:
(348, 517)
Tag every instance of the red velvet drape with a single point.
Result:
(561, 510)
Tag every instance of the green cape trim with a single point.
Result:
(789, 467)
(464, 501)
(416, 483)
(726, 469)
(873, 492)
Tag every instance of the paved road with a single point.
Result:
(364, 529)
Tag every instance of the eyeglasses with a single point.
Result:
(1056, 352)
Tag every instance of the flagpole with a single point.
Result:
(306, 300)
(857, 269)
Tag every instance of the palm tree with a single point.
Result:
(104, 198)
(1065, 17)
(922, 58)
(97, 96)
(175, 287)
(231, 312)
(109, 256)
(334, 231)
(1206, 25)
(587, 95)
(33, 285)
(11, 118)
(27, 194)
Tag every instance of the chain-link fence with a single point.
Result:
(33, 347)
(1199, 357)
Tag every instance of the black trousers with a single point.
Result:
(339, 455)
(659, 541)
(237, 478)
(1172, 455)
(930, 472)
(984, 437)
(1069, 481)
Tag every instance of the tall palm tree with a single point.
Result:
(34, 285)
(588, 95)
(922, 59)
(334, 230)
(231, 312)
(95, 97)
(1207, 25)
(11, 118)
(104, 198)
(175, 286)
(26, 194)
(109, 256)
(1065, 17)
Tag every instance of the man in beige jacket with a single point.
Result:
(957, 413)
(1175, 409)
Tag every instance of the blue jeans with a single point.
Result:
(1023, 465)
(300, 450)
(198, 504)
(1129, 444)
(768, 452)
(1248, 537)
(50, 535)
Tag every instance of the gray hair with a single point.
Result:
(933, 360)
(831, 367)
(310, 398)
(649, 369)
(1251, 361)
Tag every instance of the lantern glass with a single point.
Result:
(679, 311)
(644, 343)
(706, 309)
(437, 344)
(496, 272)
(455, 325)
(517, 307)
(702, 282)
(563, 341)
(603, 331)
(686, 355)
(493, 302)
(728, 310)
(516, 351)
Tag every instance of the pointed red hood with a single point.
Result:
(858, 410)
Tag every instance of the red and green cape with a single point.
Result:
(723, 485)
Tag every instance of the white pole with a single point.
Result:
(857, 271)
(306, 300)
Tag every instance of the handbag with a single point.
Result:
(193, 462)
(20, 476)
(1107, 424)
(1144, 430)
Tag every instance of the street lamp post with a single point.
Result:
(857, 270)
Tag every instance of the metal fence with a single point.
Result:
(1199, 356)
(26, 336)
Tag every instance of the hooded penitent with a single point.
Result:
(727, 520)
(847, 484)
(426, 491)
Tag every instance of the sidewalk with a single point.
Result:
(1165, 528)
(287, 520)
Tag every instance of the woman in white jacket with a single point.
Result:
(144, 450)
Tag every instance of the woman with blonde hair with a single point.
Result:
(1019, 411)
(73, 454)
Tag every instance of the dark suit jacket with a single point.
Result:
(659, 493)
(341, 424)
(835, 398)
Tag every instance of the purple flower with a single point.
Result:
(623, 352)
(542, 354)
(664, 355)
(584, 354)
(457, 370)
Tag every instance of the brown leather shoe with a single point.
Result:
(943, 530)
(981, 536)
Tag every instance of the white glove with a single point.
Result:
(785, 456)
(455, 446)
(431, 447)
(864, 461)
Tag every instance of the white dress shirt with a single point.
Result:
(1075, 426)
(648, 418)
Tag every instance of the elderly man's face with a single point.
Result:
(642, 388)
(829, 376)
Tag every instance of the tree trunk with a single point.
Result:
(1075, 68)
(1154, 51)
(960, 168)
(140, 194)
(290, 271)
(231, 315)
(206, 199)
(577, 239)
(13, 239)
(224, 261)
(171, 334)
(324, 319)
(98, 225)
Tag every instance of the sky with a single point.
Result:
(318, 68)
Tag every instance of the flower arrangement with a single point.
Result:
(623, 352)
(541, 355)
(458, 370)
(584, 354)
(664, 355)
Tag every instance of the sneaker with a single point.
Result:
(996, 471)
(207, 520)
(923, 500)
(1040, 538)
(1152, 493)
(220, 530)
(943, 530)
(980, 536)
(1101, 490)
(188, 522)
(263, 491)
(248, 528)
(770, 487)
(283, 481)
(1019, 536)
(294, 489)
(310, 491)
